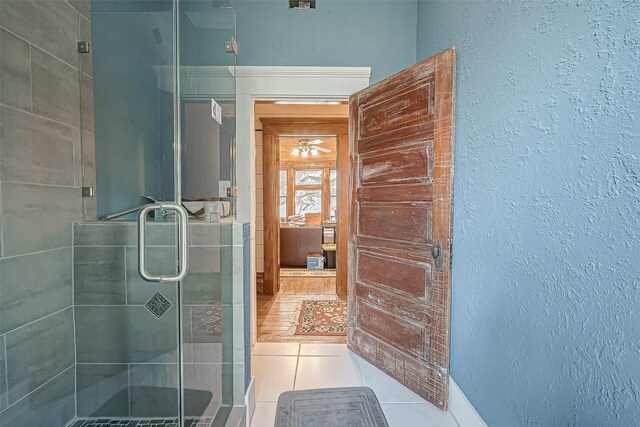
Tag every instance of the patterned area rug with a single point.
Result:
(322, 317)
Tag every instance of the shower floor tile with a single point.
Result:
(156, 422)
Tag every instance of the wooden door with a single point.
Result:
(399, 290)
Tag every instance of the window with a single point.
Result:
(309, 177)
(308, 191)
(283, 194)
(308, 201)
(333, 185)
(312, 191)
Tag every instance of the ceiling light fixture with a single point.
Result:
(306, 146)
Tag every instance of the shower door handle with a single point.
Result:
(183, 242)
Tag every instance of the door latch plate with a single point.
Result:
(436, 251)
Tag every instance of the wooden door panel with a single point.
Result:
(395, 249)
(401, 144)
(407, 277)
(407, 370)
(406, 221)
(400, 305)
(411, 165)
(387, 193)
(420, 80)
(400, 332)
(400, 111)
(405, 136)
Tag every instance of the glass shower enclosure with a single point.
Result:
(154, 280)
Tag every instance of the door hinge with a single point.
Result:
(83, 47)
(232, 191)
(231, 46)
(88, 191)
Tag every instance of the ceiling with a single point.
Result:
(322, 159)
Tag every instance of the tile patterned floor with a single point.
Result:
(110, 422)
(280, 367)
(156, 422)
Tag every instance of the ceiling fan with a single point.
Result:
(306, 146)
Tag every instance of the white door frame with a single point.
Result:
(278, 84)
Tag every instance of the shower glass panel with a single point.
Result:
(207, 107)
(208, 60)
(134, 113)
(129, 357)
(145, 350)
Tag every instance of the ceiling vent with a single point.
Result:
(302, 4)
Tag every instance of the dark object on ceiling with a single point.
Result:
(302, 4)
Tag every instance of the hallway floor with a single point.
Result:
(277, 318)
(280, 367)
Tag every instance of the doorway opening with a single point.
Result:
(301, 255)
(398, 207)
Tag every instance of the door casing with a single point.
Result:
(271, 129)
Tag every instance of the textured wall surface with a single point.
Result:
(546, 277)
(380, 34)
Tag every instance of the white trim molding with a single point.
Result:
(250, 400)
(461, 409)
(304, 72)
(278, 84)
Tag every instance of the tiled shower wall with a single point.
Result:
(126, 355)
(46, 125)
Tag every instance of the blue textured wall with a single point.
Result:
(376, 33)
(546, 278)
(133, 118)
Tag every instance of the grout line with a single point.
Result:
(6, 372)
(75, 388)
(128, 389)
(360, 370)
(295, 374)
(37, 252)
(40, 48)
(30, 78)
(73, 313)
(38, 388)
(31, 113)
(37, 320)
(126, 279)
(113, 305)
(191, 353)
(2, 248)
(40, 183)
(154, 363)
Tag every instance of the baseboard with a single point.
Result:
(461, 409)
(250, 400)
(237, 417)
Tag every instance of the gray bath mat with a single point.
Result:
(330, 407)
